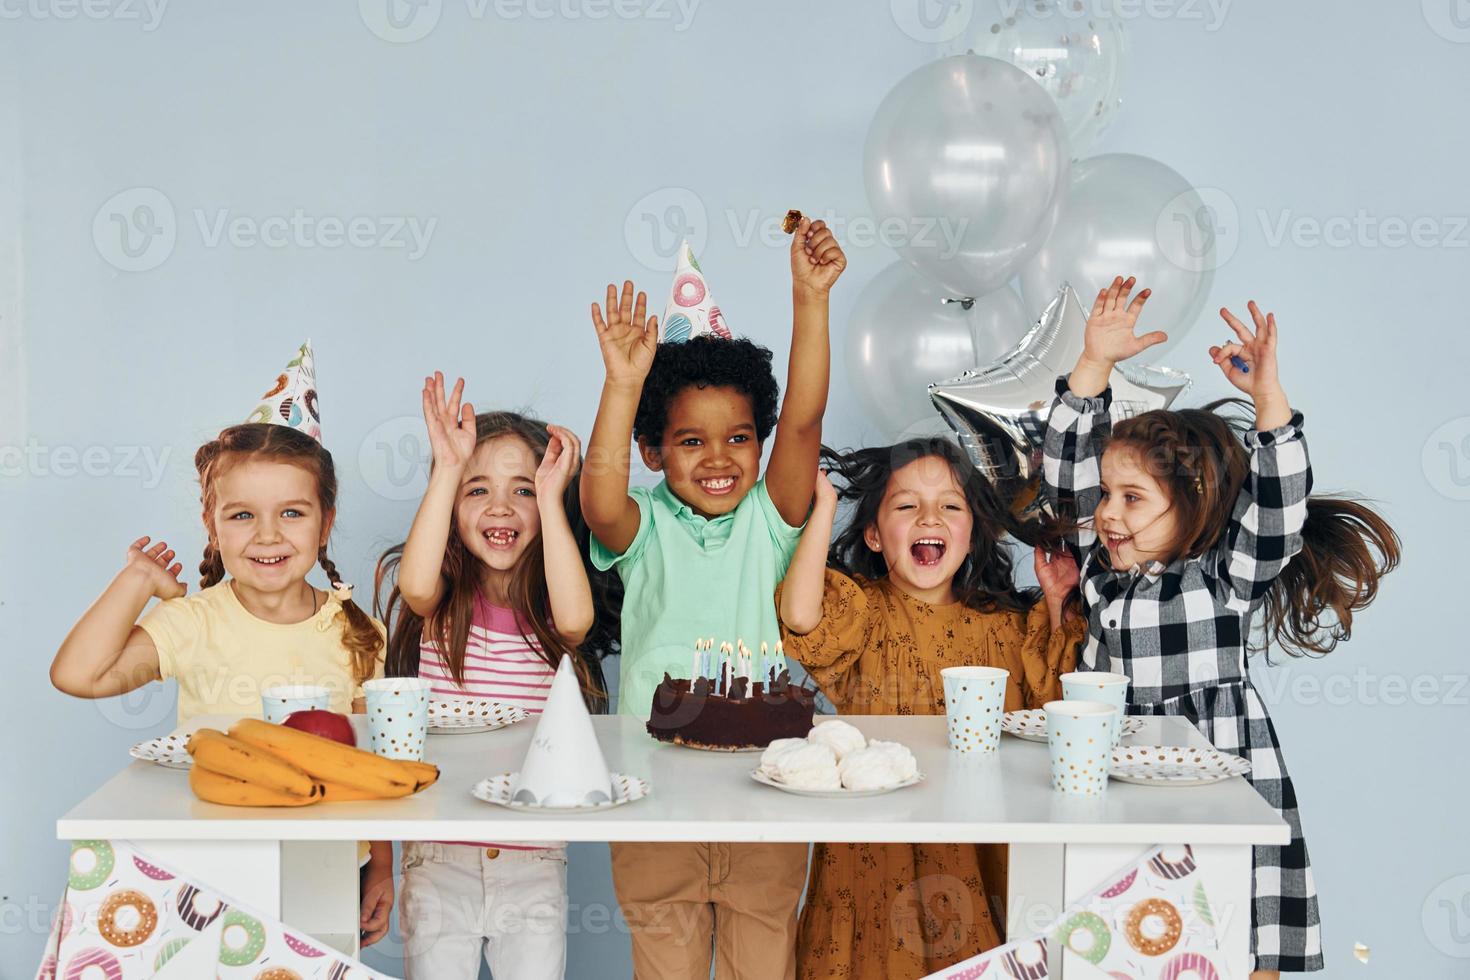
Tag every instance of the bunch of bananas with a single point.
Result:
(260, 764)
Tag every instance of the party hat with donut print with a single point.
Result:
(691, 311)
(291, 400)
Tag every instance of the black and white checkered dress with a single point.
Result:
(1180, 631)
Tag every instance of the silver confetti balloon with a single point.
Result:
(1075, 52)
(999, 410)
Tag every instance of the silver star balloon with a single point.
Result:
(999, 410)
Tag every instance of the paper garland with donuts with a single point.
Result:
(1023, 960)
(126, 916)
(1151, 921)
(261, 764)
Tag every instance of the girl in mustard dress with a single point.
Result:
(920, 580)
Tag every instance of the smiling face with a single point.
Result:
(1134, 518)
(268, 524)
(710, 455)
(496, 513)
(923, 529)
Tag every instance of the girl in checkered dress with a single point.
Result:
(1189, 527)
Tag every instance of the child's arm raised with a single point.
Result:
(566, 577)
(816, 262)
(1109, 337)
(1250, 365)
(628, 343)
(106, 653)
(452, 439)
(801, 593)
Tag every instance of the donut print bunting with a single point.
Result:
(126, 916)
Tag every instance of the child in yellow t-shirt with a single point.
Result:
(269, 494)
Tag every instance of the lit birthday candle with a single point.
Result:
(780, 657)
(694, 670)
(765, 658)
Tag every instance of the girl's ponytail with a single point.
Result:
(361, 636)
(1347, 549)
(212, 568)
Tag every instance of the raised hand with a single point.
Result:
(559, 465)
(628, 341)
(1109, 336)
(826, 493)
(451, 425)
(152, 566)
(816, 258)
(1249, 362)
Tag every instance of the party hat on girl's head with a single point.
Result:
(691, 311)
(291, 401)
(564, 765)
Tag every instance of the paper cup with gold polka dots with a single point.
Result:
(279, 703)
(1080, 737)
(1102, 687)
(397, 716)
(974, 704)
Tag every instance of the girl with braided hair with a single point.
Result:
(269, 495)
(1190, 528)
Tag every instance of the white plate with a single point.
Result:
(169, 751)
(463, 716)
(496, 790)
(832, 794)
(1030, 724)
(1174, 765)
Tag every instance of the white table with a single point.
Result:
(300, 865)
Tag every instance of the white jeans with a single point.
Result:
(459, 901)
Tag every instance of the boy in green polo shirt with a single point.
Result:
(700, 555)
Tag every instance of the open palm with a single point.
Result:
(627, 339)
(451, 425)
(154, 565)
(1109, 336)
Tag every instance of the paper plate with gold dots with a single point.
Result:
(1030, 724)
(1175, 765)
(449, 716)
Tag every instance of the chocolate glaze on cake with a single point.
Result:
(743, 720)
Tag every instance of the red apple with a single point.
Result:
(327, 724)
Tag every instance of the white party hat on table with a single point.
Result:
(291, 400)
(691, 311)
(564, 766)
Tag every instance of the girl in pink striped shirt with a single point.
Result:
(491, 591)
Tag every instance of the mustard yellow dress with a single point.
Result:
(897, 911)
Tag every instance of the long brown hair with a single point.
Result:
(280, 444)
(448, 628)
(986, 580)
(1199, 458)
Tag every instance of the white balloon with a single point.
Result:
(1128, 215)
(1076, 54)
(903, 337)
(964, 163)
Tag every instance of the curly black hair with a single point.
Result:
(707, 362)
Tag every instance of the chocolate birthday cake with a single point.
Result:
(749, 716)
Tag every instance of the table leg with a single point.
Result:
(1227, 874)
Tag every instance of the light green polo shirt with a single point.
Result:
(687, 577)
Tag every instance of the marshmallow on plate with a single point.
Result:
(838, 736)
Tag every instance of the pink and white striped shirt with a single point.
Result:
(503, 662)
(499, 661)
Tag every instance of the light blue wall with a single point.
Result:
(540, 148)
